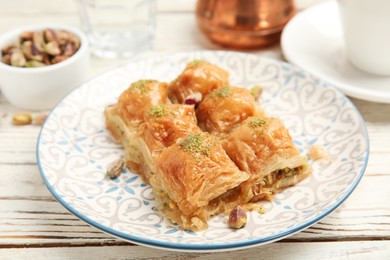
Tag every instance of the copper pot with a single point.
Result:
(244, 24)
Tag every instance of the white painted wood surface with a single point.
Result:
(33, 225)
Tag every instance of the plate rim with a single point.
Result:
(360, 93)
(186, 247)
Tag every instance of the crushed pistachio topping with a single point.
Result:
(195, 63)
(261, 210)
(254, 206)
(198, 144)
(141, 86)
(221, 92)
(257, 122)
(159, 110)
(256, 91)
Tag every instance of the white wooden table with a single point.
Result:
(33, 225)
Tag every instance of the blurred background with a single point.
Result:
(173, 17)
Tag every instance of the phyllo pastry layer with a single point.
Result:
(137, 99)
(263, 147)
(162, 127)
(198, 77)
(124, 118)
(193, 180)
(224, 108)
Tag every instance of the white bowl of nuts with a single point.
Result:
(39, 64)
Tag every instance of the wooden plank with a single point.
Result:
(31, 216)
(327, 250)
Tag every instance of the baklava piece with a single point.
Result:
(225, 108)
(124, 118)
(197, 80)
(195, 179)
(263, 147)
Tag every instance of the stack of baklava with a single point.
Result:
(203, 145)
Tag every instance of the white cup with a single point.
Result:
(366, 26)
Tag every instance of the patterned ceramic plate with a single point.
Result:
(74, 149)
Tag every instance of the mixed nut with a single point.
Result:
(40, 48)
(22, 118)
(114, 169)
(237, 217)
(256, 91)
(27, 118)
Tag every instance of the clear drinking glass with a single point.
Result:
(118, 28)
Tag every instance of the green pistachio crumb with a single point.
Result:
(199, 143)
(195, 63)
(141, 86)
(257, 122)
(221, 92)
(261, 210)
(158, 111)
(256, 91)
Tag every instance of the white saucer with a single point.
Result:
(313, 41)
